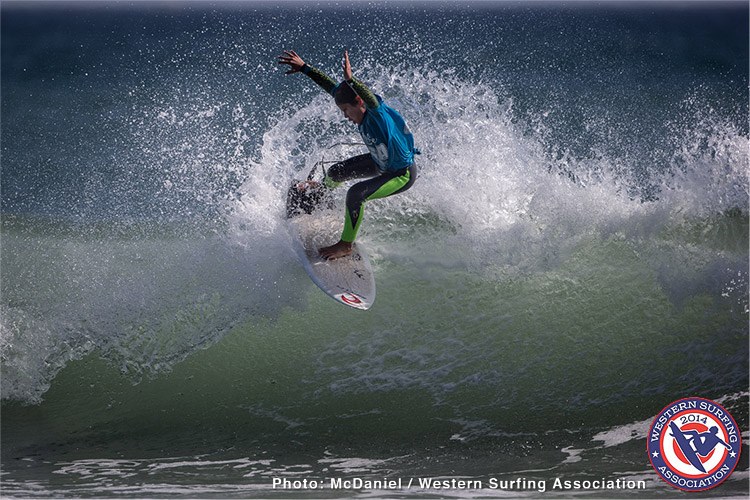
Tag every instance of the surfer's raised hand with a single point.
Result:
(294, 61)
(347, 66)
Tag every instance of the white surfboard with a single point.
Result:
(349, 280)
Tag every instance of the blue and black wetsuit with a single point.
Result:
(389, 166)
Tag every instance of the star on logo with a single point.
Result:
(656, 454)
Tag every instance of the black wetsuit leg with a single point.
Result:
(356, 167)
(380, 185)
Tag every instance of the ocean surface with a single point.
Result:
(572, 259)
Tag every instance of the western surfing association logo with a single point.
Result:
(694, 444)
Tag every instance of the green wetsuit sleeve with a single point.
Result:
(326, 82)
(365, 93)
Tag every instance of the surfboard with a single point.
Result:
(348, 280)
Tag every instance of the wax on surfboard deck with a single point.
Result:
(348, 280)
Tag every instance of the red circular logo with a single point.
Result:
(694, 444)
(350, 298)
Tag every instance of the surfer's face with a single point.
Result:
(354, 112)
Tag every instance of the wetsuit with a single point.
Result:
(389, 166)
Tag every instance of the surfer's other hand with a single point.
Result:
(294, 61)
(305, 185)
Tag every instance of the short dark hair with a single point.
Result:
(345, 94)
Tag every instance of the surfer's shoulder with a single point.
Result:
(363, 91)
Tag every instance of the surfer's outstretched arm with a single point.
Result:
(297, 65)
(357, 86)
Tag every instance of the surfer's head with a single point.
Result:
(350, 103)
(344, 93)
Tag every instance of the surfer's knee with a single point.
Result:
(330, 182)
(336, 173)
(356, 196)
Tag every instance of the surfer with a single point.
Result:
(389, 166)
(705, 442)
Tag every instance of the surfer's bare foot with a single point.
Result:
(340, 249)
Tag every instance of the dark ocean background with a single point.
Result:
(572, 259)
